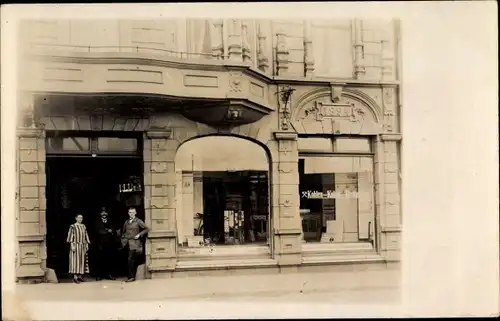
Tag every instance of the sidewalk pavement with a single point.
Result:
(261, 286)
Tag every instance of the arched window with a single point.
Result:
(222, 192)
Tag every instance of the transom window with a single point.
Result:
(67, 143)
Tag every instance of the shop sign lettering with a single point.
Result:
(127, 188)
(336, 111)
(329, 194)
(321, 110)
(130, 187)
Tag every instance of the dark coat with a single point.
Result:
(130, 230)
(105, 239)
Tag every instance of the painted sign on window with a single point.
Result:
(329, 194)
(133, 185)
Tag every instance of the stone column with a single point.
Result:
(32, 254)
(159, 182)
(379, 190)
(287, 229)
(218, 40)
(390, 242)
(387, 55)
(246, 52)
(359, 68)
(188, 212)
(308, 51)
(281, 54)
(262, 60)
(234, 40)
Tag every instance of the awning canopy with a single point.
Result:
(211, 111)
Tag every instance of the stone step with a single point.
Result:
(221, 257)
(224, 252)
(342, 258)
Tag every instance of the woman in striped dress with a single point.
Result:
(79, 241)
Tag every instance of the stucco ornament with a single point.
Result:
(284, 96)
(235, 82)
(339, 110)
(320, 110)
(388, 101)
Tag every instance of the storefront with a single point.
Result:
(229, 167)
(88, 172)
(216, 199)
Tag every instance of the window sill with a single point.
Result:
(343, 258)
(317, 248)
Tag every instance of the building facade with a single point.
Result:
(242, 143)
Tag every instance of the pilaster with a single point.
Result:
(159, 182)
(245, 50)
(281, 54)
(359, 68)
(31, 229)
(308, 51)
(387, 56)
(287, 227)
(390, 238)
(234, 40)
(262, 60)
(218, 40)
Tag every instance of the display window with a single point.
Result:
(223, 196)
(337, 196)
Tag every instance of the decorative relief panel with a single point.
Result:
(321, 110)
(338, 110)
(389, 112)
(30, 254)
(201, 81)
(29, 168)
(134, 75)
(29, 204)
(235, 82)
(62, 74)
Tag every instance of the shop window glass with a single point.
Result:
(222, 196)
(336, 199)
(315, 144)
(346, 145)
(68, 144)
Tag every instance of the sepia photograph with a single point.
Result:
(217, 159)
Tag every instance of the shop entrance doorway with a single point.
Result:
(85, 184)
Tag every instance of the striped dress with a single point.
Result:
(78, 259)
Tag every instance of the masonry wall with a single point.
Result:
(329, 46)
(313, 58)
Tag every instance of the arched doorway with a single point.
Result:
(222, 194)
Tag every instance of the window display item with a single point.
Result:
(226, 222)
(195, 241)
(334, 232)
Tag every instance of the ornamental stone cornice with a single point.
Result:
(31, 132)
(149, 59)
(392, 137)
(285, 135)
(159, 133)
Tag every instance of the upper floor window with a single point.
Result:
(332, 47)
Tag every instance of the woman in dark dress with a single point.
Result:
(79, 241)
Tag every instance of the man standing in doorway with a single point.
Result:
(106, 246)
(133, 229)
